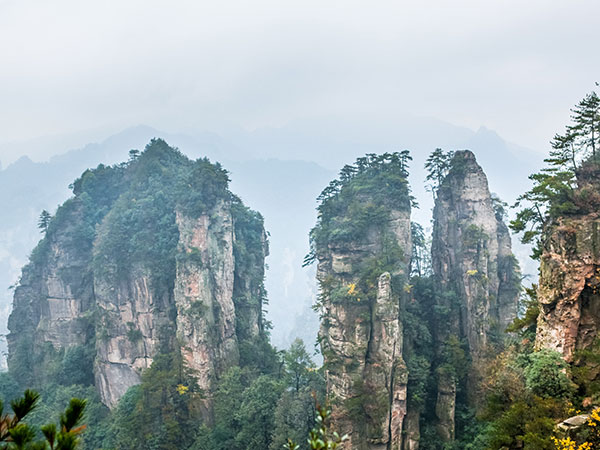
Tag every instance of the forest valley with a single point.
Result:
(139, 321)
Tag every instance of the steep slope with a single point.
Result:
(150, 256)
(568, 291)
(568, 287)
(362, 244)
(477, 283)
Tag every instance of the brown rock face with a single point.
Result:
(475, 274)
(569, 284)
(361, 337)
(204, 285)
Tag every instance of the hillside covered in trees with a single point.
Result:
(145, 297)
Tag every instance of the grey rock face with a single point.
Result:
(60, 301)
(362, 341)
(130, 317)
(472, 259)
(53, 299)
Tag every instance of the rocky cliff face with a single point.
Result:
(206, 313)
(568, 286)
(362, 281)
(476, 277)
(569, 281)
(53, 301)
(150, 269)
(361, 341)
(132, 314)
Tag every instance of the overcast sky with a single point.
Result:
(78, 66)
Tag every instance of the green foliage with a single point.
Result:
(19, 435)
(295, 415)
(584, 372)
(258, 355)
(527, 393)
(320, 437)
(558, 189)
(159, 413)
(77, 365)
(473, 236)
(526, 322)
(528, 423)
(134, 335)
(9, 388)
(360, 199)
(420, 261)
(140, 228)
(418, 350)
(51, 405)
(454, 358)
(202, 186)
(121, 223)
(438, 165)
(244, 408)
(545, 375)
(298, 366)
(249, 249)
(44, 221)
(256, 413)
(254, 410)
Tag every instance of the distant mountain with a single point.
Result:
(277, 171)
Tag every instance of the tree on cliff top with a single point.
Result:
(437, 165)
(557, 188)
(360, 197)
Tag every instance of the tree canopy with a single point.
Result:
(563, 186)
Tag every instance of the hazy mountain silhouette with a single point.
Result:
(277, 171)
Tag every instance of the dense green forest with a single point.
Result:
(155, 261)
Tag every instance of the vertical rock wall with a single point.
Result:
(206, 313)
(52, 303)
(569, 284)
(476, 277)
(361, 338)
(83, 287)
(131, 317)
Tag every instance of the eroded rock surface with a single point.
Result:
(142, 261)
(568, 292)
(476, 276)
(361, 330)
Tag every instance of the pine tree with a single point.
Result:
(16, 434)
(586, 119)
(437, 165)
(554, 192)
(420, 263)
(44, 221)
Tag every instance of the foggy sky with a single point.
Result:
(93, 67)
